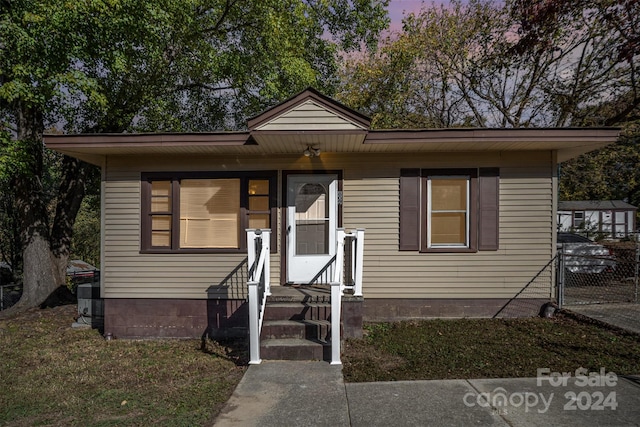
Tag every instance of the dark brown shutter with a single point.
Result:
(410, 209)
(145, 220)
(488, 215)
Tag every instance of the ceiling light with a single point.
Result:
(311, 151)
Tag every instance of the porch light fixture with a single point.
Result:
(311, 151)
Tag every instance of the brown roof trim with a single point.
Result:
(106, 140)
(490, 135)
(311, 132)
(309, 93)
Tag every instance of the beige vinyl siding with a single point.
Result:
(371, 201)
(309, 116)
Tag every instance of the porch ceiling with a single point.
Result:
(568, 142)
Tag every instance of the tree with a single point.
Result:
(147, 64)
(471, 64)
(610, 173)
(546, 63)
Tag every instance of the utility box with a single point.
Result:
(90, 305)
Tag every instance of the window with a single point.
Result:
(197, 212)
(449, 210)
(578, 219)
(209, 213)
(161, 213)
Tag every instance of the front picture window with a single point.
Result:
(192, 211)
(209, 213)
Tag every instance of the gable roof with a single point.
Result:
(309, 110)
(594, 205)
(312, 119)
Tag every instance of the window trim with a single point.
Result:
(583, 221)
(430, 211)
(175, 178)
(472, 215)
(485, 236)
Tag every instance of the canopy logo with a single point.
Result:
(500, 400)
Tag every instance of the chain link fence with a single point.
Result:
(602, 281)
(532, 299)
(596, 279)
(9, 295)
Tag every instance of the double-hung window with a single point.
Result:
(447, 213)
(449, 210)
(578, 219)
(199, 212)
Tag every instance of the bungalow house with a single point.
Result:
(456, 221)
(608, 218)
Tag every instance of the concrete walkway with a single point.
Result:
(283, 393)
(625, 316)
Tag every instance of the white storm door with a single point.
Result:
(312, 218)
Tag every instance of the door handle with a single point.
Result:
(288, 229)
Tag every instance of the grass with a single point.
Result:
(487, 348)
(51, 374)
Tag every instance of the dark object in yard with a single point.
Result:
(79, 272)
(548, 310)
(61, 296)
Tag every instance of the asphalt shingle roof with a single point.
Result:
(594, 205)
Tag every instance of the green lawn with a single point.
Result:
(51, 374)
(487, 348)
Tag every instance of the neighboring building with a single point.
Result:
(607, 218)
(457, 221)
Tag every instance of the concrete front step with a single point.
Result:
(300, 294)
(293, 349)
(301, 329)
(297, 311)
(296, 324)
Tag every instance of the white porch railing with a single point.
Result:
(354, 243)
(349, 278)
(258, 248)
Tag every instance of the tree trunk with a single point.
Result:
(70, 194)
(39, 279)
(39, 275)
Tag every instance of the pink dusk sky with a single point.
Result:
(399, 8)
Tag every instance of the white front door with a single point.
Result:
(312, 218)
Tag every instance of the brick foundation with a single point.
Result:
(175, 318)
(220, 318)
(389, 310)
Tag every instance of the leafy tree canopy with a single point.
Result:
(173, 65)
(146, 65)
(479, 63)
(541, 63)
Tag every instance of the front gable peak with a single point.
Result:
(309, 111)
